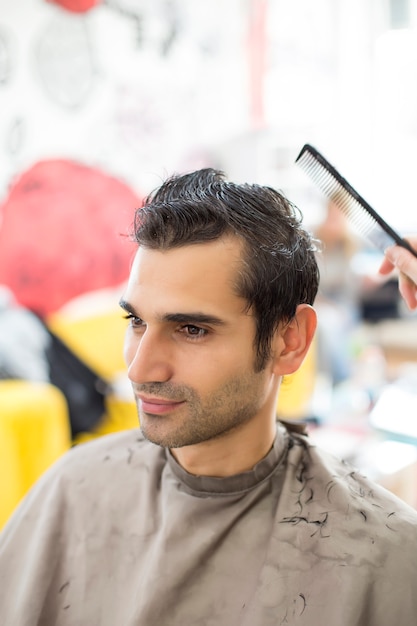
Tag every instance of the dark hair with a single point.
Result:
(279, 268)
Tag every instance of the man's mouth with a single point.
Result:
(157, 406)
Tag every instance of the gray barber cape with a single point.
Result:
(116, 533)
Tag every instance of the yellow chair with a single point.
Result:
(34, 433)
(96, 336)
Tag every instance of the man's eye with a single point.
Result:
(194, 332)
(134, 321)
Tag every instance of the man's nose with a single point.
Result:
(148, 357)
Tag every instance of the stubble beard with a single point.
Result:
(197, 421)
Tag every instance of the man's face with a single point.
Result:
(190, 344)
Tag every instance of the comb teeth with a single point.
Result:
(362, 217)
(331, 188)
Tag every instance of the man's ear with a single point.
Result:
(293, 340)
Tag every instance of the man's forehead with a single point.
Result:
(222, 254)
(196, 278)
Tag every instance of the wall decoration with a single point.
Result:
(76, 6)
(64, 60)
(15, 136)
(65, 232)
(5, 56)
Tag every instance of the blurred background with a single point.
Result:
(99, 102)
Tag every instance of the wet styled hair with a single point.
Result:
(279, 269)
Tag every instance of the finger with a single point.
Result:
(403, 260)
(408, 291)
(386, 267)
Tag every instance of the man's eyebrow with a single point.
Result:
(179, 318)
(127, 307)
(193, 318)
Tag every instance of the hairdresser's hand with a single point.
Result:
(401, 259)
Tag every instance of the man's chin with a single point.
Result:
(164, 440)
(170, 440)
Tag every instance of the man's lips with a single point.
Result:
(157, 406)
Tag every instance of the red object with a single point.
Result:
(76, 6)
(64, 231)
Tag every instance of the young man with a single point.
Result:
(215, 514)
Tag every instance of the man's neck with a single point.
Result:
(234, 452)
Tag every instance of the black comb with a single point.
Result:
(366, 220)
